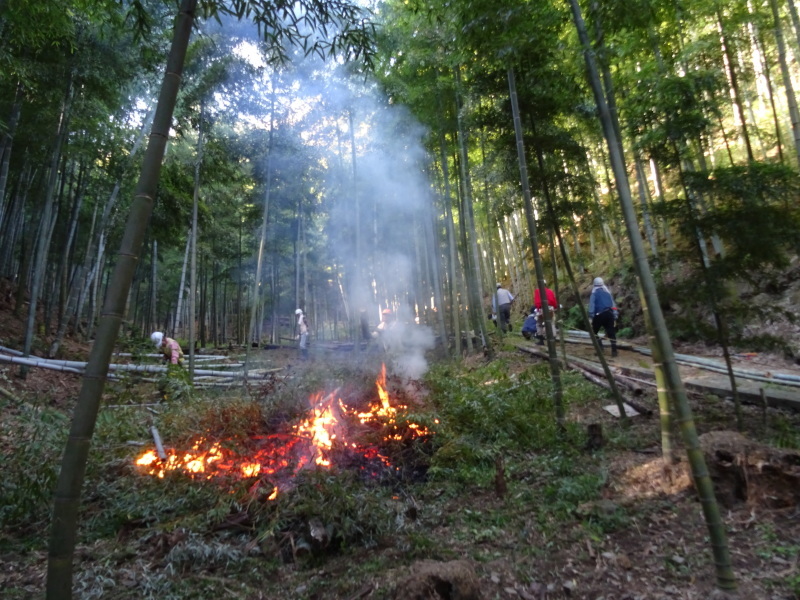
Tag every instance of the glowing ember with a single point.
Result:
(270, 454)
(278, 457)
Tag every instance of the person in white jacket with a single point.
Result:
(302, 329)
(501, 306)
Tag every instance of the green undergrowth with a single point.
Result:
(177, 537)
(29, 473)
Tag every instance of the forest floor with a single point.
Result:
(642, 537)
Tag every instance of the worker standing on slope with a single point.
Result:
(501, 306)
(552, 304)
(302, 328)
(603, 313)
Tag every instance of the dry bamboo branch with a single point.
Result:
(9, 395)
(159, 445)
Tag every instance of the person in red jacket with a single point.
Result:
(552, 303)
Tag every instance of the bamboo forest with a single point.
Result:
(400, 299)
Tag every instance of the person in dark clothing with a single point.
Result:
(603, 312)
(529, 326)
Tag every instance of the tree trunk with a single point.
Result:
(92, 258)
(202, 317)
(435, 258)
(643, 193)
(182, 285)
(69, 285)
(73, 466)
(451, 237)
(193, 254)
(555, 370)
(152, 315)
(13, 228)
(62, 274)
(658, 187)
(471, 252)
(467, 273)
(7, 146)
(734, 81)
(23, 276)
(43, 243)
(213, 319)
(703, 484)
(795, 20)
(665, 401)
(771, 93)
(791, 100)
(357, 278)
(254, 335)
(612, 382)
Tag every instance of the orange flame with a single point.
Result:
(387, 412)
(283, 455)
(321, 428)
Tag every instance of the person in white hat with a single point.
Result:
(168, 347)
(603, 312)
(501, 306)
(302, 328)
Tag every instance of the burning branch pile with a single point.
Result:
(332, 434)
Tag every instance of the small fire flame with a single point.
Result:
(281, 456)
(386, 412)
(321, 428)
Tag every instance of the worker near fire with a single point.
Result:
(501, 306)
(168, 347)
(603, 312)
(529, 326)
(302, 330)
(552, 304)
(385, 331)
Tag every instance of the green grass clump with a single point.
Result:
(486, 412)
(784, 432)
(351, 511)
(493, 410)
(26, 487)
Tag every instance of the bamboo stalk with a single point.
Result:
(159, 445)
(30, 362)
(11, 351)
(70, 366)
(9, 395)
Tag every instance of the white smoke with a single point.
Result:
(376, 195)
(411, 363)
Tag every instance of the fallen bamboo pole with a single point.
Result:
(33, 362)
(709, 364)
(597, 376)
(77, 367)
(597, 380)
(11, 351)
(158, 355)
(159, 445)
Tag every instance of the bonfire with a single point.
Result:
(331, 432)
